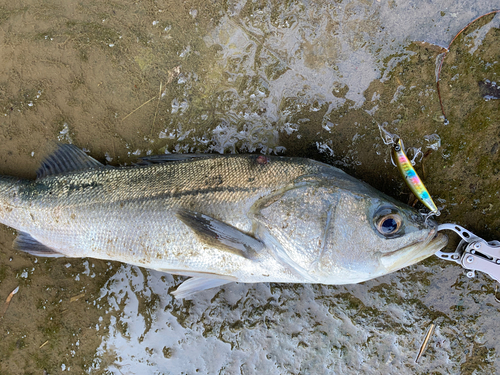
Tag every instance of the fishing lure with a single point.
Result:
(411, 177)
(400, 160)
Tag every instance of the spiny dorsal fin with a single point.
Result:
(66, 158)
(221, 235)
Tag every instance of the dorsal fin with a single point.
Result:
(66, 158)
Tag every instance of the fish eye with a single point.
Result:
(389, 225)
(389, 222)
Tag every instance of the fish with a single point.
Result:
(216, 218)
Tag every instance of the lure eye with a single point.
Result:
(389, 225)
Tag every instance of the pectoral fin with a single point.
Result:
(28, 244)
(221, 235)
(197, 284)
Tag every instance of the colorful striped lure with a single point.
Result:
(411, 177)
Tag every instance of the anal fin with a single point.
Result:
(197, 284)
(24, 242)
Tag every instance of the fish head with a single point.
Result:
(371, 235)
(334, 229)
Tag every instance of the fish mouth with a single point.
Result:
(414, 252)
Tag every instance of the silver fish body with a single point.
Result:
(217, 218)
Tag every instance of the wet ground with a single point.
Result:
(124, 79)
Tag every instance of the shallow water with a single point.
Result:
(125, 79)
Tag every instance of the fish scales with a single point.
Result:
(129, 213)
(217, 218)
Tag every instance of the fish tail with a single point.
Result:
(9, 199)
(12, 214)
(8, 188)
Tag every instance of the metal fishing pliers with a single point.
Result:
(473, 253)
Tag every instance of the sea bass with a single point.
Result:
(217, 218)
